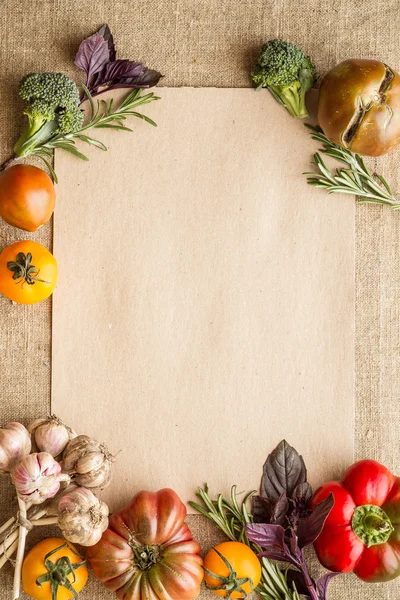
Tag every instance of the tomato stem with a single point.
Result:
(230, 583)
(146, 556)
(57, 573)
(23, 271)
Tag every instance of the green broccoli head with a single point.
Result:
(287, 72)
(54, 89)
(52, 106)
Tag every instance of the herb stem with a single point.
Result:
(355, 179)
(307, 577)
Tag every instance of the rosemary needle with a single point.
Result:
(103, 114)
(355, 178)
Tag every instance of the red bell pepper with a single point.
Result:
(362, 532)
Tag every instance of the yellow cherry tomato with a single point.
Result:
(234, 567)
(28, 272)
(53, 565)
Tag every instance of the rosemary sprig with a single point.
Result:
(356, 178)
(231, 517)
(104, 114)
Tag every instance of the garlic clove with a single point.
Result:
(52, 504)
(99, 479)
(90, 462)
(104, 509)
(75, 450)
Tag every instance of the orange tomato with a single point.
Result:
(28, 272)
(53, 562)
(27, 197)
(242, 575)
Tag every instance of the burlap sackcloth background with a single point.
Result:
(213, 43)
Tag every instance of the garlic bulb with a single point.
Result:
(88, 462)
(38, 477)
(82, 517)
(15, 444)
(50, 435)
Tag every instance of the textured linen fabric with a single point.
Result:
(212, 43)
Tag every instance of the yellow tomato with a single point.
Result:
(53, 564)
(28, 272)
(234, 567)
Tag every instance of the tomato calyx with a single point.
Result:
(229, 583)
(145, 556)
(23, 270)
(57, 573)
(371, 524)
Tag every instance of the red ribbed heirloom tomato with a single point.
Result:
(362, 531)
(147, 552)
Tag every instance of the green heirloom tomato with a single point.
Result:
(359, 106)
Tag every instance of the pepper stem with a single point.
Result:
(371, 524)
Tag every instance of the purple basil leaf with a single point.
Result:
(300, 507)
(303, 492)
(267, 536)
(284, 470)
(294, 544)
(311, 526)
(297, 578)
(322, 584)
(92, 55)
(105, 32)
(261, 509)
(149, 79)
(280, 510)
(121, 69)
(281, 556)
(117, 72)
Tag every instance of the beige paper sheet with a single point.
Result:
(205, 305)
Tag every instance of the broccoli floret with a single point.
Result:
(52, 107)
(69, 120)
(287, 72)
